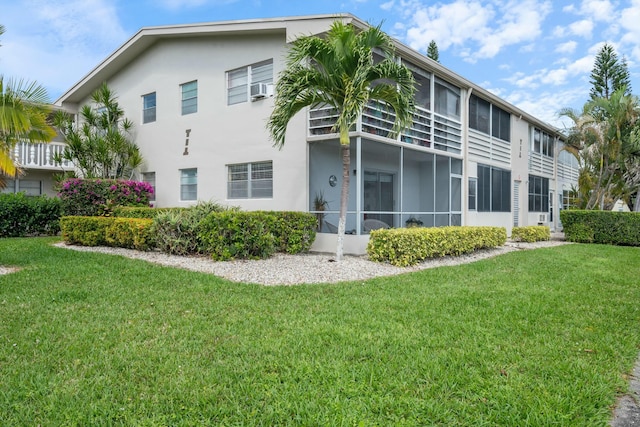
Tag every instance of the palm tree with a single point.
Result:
(24, 111)
(339, 70)
(604, 139)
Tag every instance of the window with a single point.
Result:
(479, 112)
(501, 123)
(149, 108)
(473, 193)
(423, 86)
(447, 99)
(538, 194)
(494, 189)
(250, 181)
(189, 97)
(240, 80)
(487, 118)
(150, 178)
(10, 186)
(188, 184)
(543, 143)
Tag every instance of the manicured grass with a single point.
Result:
(541, 337)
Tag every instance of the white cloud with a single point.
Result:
(55, 42)
(568, 47)
(582, 28)
(387, 6)
(630, 17)
(460, 22)
(598, 10)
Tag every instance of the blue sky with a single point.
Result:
(536, 54)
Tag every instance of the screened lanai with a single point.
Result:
(391, 185)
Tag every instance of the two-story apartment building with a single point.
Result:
(201, 95)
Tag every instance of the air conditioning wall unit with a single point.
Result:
(261, 90)
(542, 218)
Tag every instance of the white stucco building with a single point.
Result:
(200, 96)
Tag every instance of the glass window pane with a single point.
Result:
(190, 98)
(188, 184)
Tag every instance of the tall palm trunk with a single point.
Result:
(344, 194)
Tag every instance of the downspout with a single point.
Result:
(465, 163)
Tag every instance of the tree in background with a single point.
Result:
(24, 112)
(609, 74)
(101, 145)
(606, 139)
(339, 71)
(432, 51)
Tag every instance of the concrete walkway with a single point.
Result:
(627, 412)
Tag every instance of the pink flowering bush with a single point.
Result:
(93, 197)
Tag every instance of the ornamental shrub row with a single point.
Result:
(141, 211)
(409, 246)
(605, 227)
(254, 235)
(90, 197)
(133, 233)
(530, 234)
(204, 228)
(22, 215)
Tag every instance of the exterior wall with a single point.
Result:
(32, 178)
(217, 134)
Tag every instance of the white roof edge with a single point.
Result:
(280, 23)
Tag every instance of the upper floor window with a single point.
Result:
(250, 180)
(488, 118)
(447, 99)
(189, 97)
(149, 108)
(494, 189)
(542, 143)
(239, 81)
(423, 86)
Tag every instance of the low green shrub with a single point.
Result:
(232, 235)
(22, 215)
(85, 230)
(176, 230)
(531, 233)
(141, 211)
(604, 227)
(132, 233)
(410, 246)
(294, 232)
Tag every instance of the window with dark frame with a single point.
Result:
(494, 189)
(489, 119)
(150, 178)
(538, 194)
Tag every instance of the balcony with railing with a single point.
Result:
(427, 130)
(40, 156)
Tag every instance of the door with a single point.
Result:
(378, 196)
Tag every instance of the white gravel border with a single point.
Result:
(284, 269)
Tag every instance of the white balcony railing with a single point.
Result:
(427, 129)
(40, 156)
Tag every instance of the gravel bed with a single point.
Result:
(284, 269)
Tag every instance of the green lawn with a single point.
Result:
(541, 337)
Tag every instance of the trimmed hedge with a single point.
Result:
(92, 197)
(22, 215)
(255, 235)
(294, 231)
(132, 233)
(85, 230)
(231, 235)
(141, 211)
(530, 234)
(409, 246)
(605, 227)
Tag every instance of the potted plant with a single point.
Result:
(413, 222)
(319, 206)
